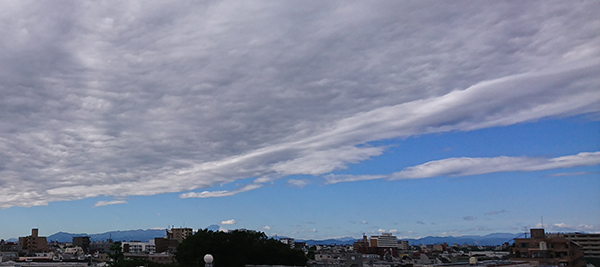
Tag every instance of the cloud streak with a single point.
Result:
(465, 166)
(496, 212)
(129, 99)
(223, 193)
(107, 203)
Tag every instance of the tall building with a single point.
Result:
(385, 240)
(179, 234)
(548, 250)
(34, 243)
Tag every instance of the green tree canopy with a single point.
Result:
(236, 249)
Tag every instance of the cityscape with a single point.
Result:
(536, 248)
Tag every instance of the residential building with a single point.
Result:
(74, 251)
(380, 245)
(548, 250)
(179, 233)
(287, 241)
(165, 245)
(403, 245)
(83, 242)
(33, 243)
(139, 247)
(101, 246)
(590, 243)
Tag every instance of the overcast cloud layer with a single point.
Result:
(141, 98)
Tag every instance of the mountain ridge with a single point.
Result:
(492, 239)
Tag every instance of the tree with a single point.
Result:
(116, 254)
(236, 249)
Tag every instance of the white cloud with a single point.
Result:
(112, 202)
(229, 222)
(222, 193)
(472, 166)
(119, 100)
(298, 182)
(266, 227)
(566, 227)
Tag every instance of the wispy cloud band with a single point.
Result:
(465, 166)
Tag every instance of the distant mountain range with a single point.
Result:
(130, 235)
(486, 240)
(144, 235)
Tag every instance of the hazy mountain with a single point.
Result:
(144, 235)
(337, 241)
(129, 235)
(487, 240)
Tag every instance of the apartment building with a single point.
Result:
(549, 250)
(34, 243)
(590, 243)
(179, 234)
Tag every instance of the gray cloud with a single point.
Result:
(495, 212)
(133, 98)
(470, 218)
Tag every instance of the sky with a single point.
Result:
(306, 119)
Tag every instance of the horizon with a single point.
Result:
(304, 119)
(281, 236)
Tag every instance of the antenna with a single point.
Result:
(542, 221)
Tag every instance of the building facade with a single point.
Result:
(139, 247)
(590, 243)
(179, 234)
(34, 243)
(545, 250)
(83, 242)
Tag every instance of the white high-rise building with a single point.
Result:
(385, 240)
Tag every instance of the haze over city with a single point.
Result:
(307, 119)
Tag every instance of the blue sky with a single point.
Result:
(312, 120)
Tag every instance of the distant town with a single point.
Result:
(536, 248)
